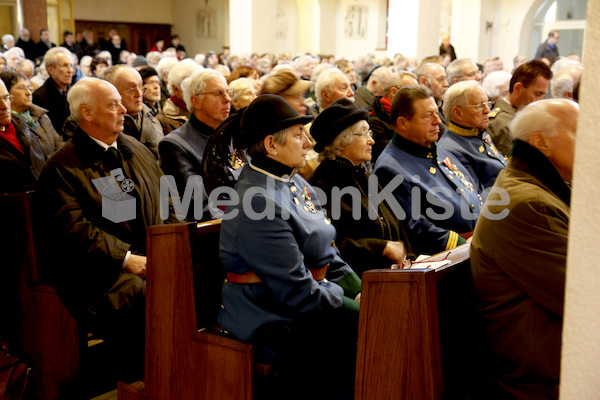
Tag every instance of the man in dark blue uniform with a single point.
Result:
(438, 196)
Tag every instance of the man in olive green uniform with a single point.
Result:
(528, 84)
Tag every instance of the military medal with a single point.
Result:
(454, 170)
(236, 162)
(308, 205)
(489, 142)
(481, 149)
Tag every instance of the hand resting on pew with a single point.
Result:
(136, 265)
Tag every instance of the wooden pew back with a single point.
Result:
(185, 358)
(419, 336)
(37, 326)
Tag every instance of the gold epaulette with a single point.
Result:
(494, 112)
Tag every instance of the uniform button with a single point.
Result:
(472, 206)
(462, 191)
(333, 243)
(293, 189)
(222, 307)
(296, 201)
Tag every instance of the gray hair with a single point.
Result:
(560, 84)
(280, 137)
(454, 70)
(153, 58)
(111, 74)
(179, 72)
(79, 95)
(456, 94)
(50, 58)
(343, 139)
(195, 84)
(396, 81)
(324, 82)
(492, 83)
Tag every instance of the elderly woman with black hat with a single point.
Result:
(376, 239)
(287, 289)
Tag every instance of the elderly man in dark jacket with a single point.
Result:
(519, 251)
(52, 95)
(139, 121)
(100, 192)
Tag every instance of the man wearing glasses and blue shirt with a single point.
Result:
(208, 99)
(466, 107)
(139, 121)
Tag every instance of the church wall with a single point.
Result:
(148, 11)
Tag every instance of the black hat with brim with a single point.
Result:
(266, 115)
(333, 120)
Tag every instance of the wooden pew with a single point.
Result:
(419, 336)
(186, 357)
(36, 325)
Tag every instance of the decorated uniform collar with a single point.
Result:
(413, 148)
(272, 168)
(463, 130)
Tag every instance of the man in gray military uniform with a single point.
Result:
(528, 84)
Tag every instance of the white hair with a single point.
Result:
(562, 63)
(456, 96)
(195, 84)
(536, 117)
(324, 82)
(493, 83)
(179, 72)
(319, 70)
(7, 38)
(164, 66)
(153, 58)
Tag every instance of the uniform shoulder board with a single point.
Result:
(494, 112)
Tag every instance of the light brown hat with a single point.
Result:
(284, 82)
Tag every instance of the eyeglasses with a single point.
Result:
(480, 106)
(8, 98)
(135, 89)
(220, 93)
(368, 134)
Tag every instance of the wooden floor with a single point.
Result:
(112, 395)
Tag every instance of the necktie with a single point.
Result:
(114, 158)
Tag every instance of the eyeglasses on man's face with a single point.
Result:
(480, 106)
(8, 98)
(136, 89)
(368, 134)
(220, 93)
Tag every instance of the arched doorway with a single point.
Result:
(567, 16)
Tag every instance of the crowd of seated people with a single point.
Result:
(443, 135)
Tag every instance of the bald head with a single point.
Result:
(96, 107)
(433, 75)
(377, 80)
(551, 127)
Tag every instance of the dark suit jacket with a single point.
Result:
(49, 97)
(85, 250)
